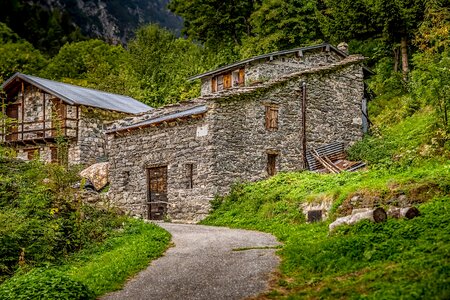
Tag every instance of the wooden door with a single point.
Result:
(12, 111)
(271, 164)
(157, 192)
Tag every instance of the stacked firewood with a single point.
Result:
(376, 215)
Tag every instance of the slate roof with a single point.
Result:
(268, 55)
(168, 117)
(75, 95)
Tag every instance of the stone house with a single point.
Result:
(254, 118)
(46, 113)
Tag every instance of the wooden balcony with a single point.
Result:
(39, 132)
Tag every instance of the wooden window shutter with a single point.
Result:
(214, 84)
(32, 153)
(227, 80)
(241, 77)
(271, 117)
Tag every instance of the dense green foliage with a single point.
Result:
(44, 284)
(46, 29)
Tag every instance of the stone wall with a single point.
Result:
(242, 143)
(173, 145)
(91, 145)
(266, 69)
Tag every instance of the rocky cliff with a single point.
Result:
(111, 20)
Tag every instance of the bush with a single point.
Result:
(44, 284)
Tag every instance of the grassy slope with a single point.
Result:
(396, 259)
(101, 268)
(106, 267)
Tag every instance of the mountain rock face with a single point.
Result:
(115, 20)
(111, 20)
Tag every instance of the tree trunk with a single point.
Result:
(396, 59)
(404, 49)
(375, 215)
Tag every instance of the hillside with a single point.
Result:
(407, 259)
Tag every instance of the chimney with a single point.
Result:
(343, 47)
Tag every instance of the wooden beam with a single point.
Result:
(23, 106)
(43, 110)
(304, 142)
(78, 122)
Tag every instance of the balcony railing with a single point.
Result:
(39, 131)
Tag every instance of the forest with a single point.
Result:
(407, 46)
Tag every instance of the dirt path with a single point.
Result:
(204, 264)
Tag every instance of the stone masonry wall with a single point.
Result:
(241, 142)
(173, 145)
(91, 145)
(263, 70)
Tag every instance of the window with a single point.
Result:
(32, 153)
(271, 164)
(227, 80)
(54, 155)
(271, 117)
(189, 175)
(219, 83)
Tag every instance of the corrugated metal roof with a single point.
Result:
(181, 114)
(76, 95)
(278, 53)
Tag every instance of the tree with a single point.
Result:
(431, 78)
(218, 24)
(162, 63)
(279, 24)
(17, 55)
(94, 64)
(395, 21)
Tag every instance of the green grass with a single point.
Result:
(398, 259)
(106, 267)
(101, 268)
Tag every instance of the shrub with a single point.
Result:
(44, 284)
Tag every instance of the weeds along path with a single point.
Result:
(206, 263)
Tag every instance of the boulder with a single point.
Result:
(97, 174)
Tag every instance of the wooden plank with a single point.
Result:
(214, 84)
(23, 106)
(43, 110)
(241, 77)
(323, 162)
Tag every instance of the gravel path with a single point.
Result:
(204, 264)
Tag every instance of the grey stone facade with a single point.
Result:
(234, 144)
(270, 68)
